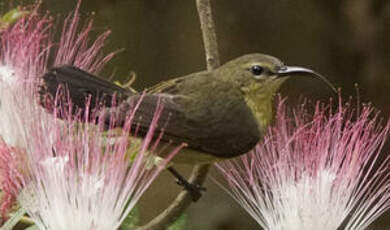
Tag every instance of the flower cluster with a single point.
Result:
(66, 173)
(79, 177)
(319, 171)
(25, 50)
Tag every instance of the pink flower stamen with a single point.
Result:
(315, 171)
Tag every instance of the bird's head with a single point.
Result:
(261, 75)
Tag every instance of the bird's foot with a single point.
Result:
(194, 189)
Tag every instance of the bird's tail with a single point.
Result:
(79, 88)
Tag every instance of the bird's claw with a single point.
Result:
(194, 189)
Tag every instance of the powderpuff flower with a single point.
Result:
(319, 171)
(75, 176)
(27, 50)
(64, 174)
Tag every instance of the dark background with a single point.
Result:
(345, 40)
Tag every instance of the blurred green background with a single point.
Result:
(345, 40)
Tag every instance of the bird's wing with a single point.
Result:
(171, 86)
(225, 135)
(165, 86)
(79, 86)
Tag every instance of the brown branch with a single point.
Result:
(199, 173)
(179, 205)
(209, 34)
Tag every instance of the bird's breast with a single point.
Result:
(261, 108)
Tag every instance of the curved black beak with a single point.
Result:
(286, 71)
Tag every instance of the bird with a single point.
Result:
(218, 114)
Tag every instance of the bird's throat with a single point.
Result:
(261, 107)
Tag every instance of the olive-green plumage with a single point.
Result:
(219, 114)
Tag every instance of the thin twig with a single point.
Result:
(199, 173)
(209, 34)
(179, 205)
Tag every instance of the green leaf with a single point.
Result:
(12, 16)
(131, 220)
(15, 218)
(179, 224)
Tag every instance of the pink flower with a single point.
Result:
(78, 177)
(66, 174)
(315, 171)
(25, 48)
(10, 162)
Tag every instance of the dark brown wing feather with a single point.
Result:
(80, 85)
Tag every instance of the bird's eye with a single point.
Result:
(257, 70)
